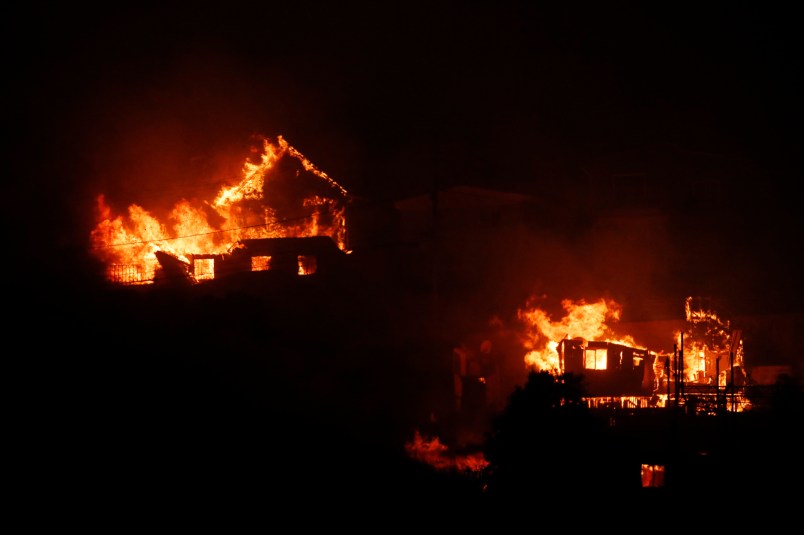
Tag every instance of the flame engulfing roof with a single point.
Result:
(280, 194)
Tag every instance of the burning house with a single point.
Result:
(276, 257)
(610, 369)
(704, 373)
(281, 197)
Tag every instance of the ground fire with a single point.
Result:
(280, 194)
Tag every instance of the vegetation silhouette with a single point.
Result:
(546, 441)
(787, 397)
(547, 447)
(307, 397)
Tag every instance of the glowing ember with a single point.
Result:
(431, 451)
(257, 206)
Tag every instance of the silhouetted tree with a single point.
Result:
(787, 396)
(545, 442)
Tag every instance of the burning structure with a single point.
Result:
(281, 195)
(705, 371)
(280, 257)
(286, 217)
(610, 369)
(663, 408)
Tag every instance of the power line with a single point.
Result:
(143, 242)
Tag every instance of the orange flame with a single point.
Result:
(582, 320)
(431, 451)
(708, 338)
(241, 211)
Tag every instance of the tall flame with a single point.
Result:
(240, 211)
(708, 338)
(582, 320)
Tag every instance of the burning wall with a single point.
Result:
(711, 348)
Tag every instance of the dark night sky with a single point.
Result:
(150, 104)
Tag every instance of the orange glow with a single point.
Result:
(709, 344)
(431, 451)
(582, 320)
(652, 475)
(126, 244)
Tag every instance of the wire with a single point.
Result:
(199, 234)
